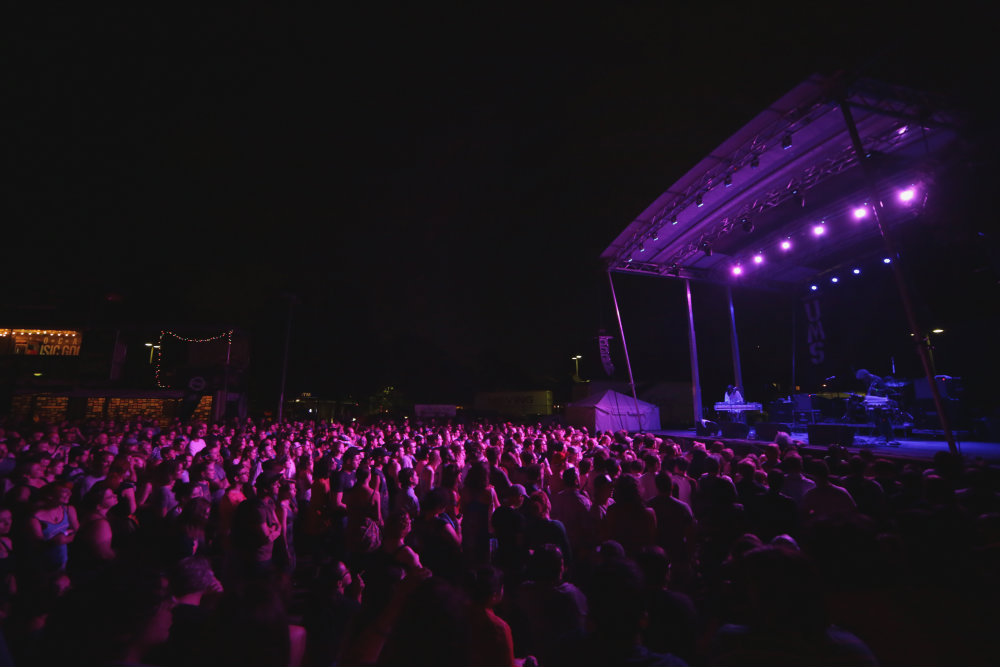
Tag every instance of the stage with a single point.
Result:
(913, 445)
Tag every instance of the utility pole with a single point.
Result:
(292, 300)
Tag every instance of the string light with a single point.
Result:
(158, 350)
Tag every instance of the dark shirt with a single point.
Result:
(508, 527)
(774, 514)
(539, 532)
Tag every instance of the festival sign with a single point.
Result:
(41, 342)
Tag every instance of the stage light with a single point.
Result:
(886, 260)
(902, 130)
(706, 248)
(728, 181)
(835, 279)
(737, 270)
(857, 272)
(907, 195)
(786, 141)
(938, 331)
(754, 162)
(758, 259)
(642, 247)
(860, 212)
(673, 220)
(814, 287)
(629, 260)
(698, 202)
(819, 230)
(786, 245)
(746, 224)
(656, 235)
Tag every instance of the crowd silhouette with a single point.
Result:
(252, 542)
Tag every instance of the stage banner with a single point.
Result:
(815, 336)
(604, 344)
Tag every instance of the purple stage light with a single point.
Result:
(819, 230)
(786, 245)
(857, 272)
(758, 259)
(835, 279)
(814, 287)
(860, 212)
(737, 270)
(907, 195)
(886, 260)
(902, 130)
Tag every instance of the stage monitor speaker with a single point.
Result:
(736, 430)
(781, 411)
(830, 434)
(706, 427)
(768, 431)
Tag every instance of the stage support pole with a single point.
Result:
(734, 341)
(921, 339)
(792, 390)
(693, 348)
(628, 364)
(284, 364)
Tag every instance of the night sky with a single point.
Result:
(431, 185)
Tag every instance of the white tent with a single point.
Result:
(612, 411)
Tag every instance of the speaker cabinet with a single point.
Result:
(830, 434)
(736, 430)
(767, 431)
(706, 427)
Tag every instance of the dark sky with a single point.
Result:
(434, 186)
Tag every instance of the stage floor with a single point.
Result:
(910, 447)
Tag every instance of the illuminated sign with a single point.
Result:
(41, 342)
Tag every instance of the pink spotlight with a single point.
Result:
(758, 259)
(819, 230)
(860, 212)
(737, 270)
(902, 130)
(786, 245)
(907, 195)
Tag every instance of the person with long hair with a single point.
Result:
(478, 502)
(364, 514)
(629, 521)
(51, 528)
(92, 549)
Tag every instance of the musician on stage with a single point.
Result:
(876, 385)
(733, 395)
(881, 414)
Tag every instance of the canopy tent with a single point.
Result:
(849, 162)
(613, 411)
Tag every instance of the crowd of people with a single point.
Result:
(396, 542)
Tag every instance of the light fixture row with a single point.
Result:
(817, 230)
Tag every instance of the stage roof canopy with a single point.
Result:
(785, 202)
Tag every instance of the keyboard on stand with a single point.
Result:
(737, 407)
